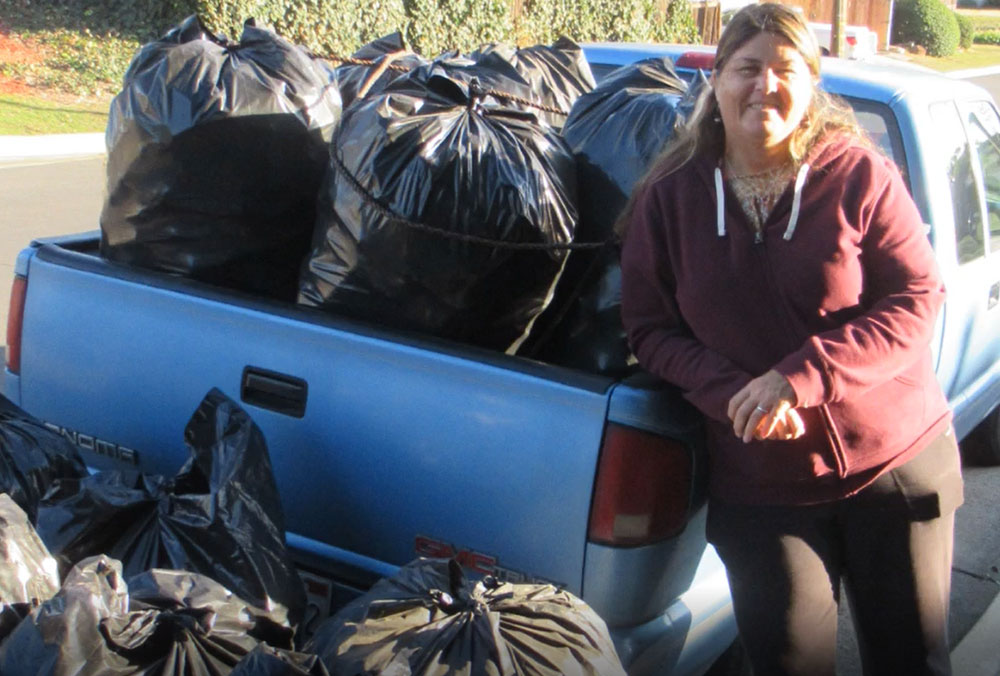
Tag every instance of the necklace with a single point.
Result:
(758, 192)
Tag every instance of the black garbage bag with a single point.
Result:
(265, 660)
(219, 516)
(616, 131)
(63, 636)
(388, 58)
(185, 624)
(28, 573)
(160, 623)
(556, 75)
(216, 151)
(32, 457)
(428, 620)
(443, 211)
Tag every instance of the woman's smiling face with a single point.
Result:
(763, 90)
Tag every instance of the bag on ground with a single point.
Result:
(428, 620)
(32, 458)
(28, 573)
(265, 660)
(219, 516)
(162, 622)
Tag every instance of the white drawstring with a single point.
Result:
(793, 220)
(720, 204)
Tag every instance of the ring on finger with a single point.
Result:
(761, 409)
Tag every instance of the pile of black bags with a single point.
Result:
(464, 196)
(185, 576)
(127, 574)
(162, 622)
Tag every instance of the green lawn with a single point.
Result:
(27, 115)
(983, 19)
(977, 56)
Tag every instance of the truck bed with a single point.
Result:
(370, 431)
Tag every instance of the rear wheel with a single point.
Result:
(982, 446)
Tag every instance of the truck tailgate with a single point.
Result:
(417, 440)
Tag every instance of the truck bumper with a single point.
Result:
(690, 635)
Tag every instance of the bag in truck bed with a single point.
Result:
(215, 153)
(444, 208)
(370, 69)
(615, 131)
(556, 74)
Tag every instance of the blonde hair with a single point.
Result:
(703, 132)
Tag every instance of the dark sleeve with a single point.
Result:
(657, 333)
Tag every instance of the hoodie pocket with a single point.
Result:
(773, 462)
(836, 443)
(876, 427)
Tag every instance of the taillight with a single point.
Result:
(696, 60)
(15, 320)
(851, 40)
(643, 488)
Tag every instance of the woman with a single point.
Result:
(775, 268)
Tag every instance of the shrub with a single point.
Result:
(927, 23)
(966, 31)
(593, 20)
(436, 26)
(92, 42)
(326, 26)
(988, 38)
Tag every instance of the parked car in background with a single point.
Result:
(860, 42)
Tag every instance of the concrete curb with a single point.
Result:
(976, 654)
(973, 72)
(51, 145)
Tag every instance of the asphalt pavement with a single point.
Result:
(50, 146)
(49, 185)
(975, 580)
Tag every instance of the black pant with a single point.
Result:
(891, 545)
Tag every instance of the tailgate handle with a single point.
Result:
(274, 391)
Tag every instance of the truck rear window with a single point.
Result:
(878, 120)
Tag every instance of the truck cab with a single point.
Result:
(944, 135)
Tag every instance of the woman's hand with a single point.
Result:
(764, 409)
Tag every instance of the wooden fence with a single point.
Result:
(708, 19)
(871, 13)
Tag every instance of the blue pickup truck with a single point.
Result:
(389, 445)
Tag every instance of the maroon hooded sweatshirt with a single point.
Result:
(839, 294)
